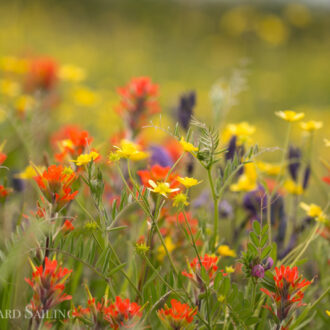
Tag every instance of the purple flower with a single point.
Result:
(268, 263)
(258, 271)
(160, 156)
(294, 157)
(185, 109)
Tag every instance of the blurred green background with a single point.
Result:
(182, 45)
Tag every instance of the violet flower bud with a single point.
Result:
(268, 263)
(294, 158)
(258, 271)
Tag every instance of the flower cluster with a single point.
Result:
(138, 101)
(208, 263)
(121, 314)
(55, 183)
(288, 292)
(179, 316)
(48, 283)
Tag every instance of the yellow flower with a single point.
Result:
(225, 251)
(162, 188)
(247, 181)
(242, 130)
(72, 73)
(9, 88)
(187, 146)
(85, 97)
(311, 125)
(327, 143)
(230, 269)
(67, 170)
(270, 169)
(161, 250)
(188, 182)
(314, 211)
(327, 312)
(13, 64)
(30, 172)
(290, 115)
(221, 298)
(293, 187)
(130, 150)
(84, 159)
(25, 103)
(180, 200)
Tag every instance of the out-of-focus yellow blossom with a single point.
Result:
(84, 159)
(327, 143)
(290, 115)
(170, 246)
(238, 20)
(242, 130)
(298, 14)
(327, 312)
(67, 170)
(9, 88)
(221, 298)
(14, 65)
(187, 146)
(268, 168)
(162, 188)
(180, 200)
(293, 188)
(314, 211)
(24, 103)
(72, 73)
(30, 172)
(188, 182)
(128, 150)
(230, 269)
(85, 97)
(311, 125)
(226, 251)
(273, 30)
(247, 181)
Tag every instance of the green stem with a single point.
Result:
(216, 213)
(311, 238)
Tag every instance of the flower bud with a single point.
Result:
(268, 263)
(258, 271)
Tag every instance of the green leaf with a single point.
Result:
(117, 269)
(266, 251)
(254, 239)
(256, 227)
(252, 249)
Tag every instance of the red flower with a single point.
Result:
(178, 316)
(55, 184)
(120, 314)
(193, 223)
(209, 263)
(138, 101)
(71, 141)
(3, 157)
(67, 226)
(48, 286)
(326, 179)
(288, 292)
(4, 192)
(42, 74)
(158, 174)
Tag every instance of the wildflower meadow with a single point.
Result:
(172, 220)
